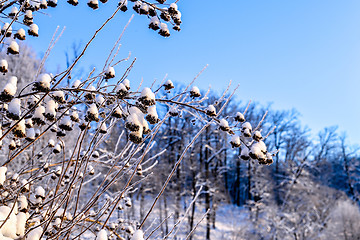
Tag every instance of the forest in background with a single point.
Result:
(311, 191)
(309, 188)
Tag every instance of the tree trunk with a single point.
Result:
(207, 188)
(249, 197)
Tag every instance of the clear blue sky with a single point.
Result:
(297, 54)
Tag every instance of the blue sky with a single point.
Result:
(296, 54)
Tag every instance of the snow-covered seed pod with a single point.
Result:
(28, 18)
(246, 129)
(46, 168)
(20, 34)
(94, 4)
(262, 146)
(144, 9)
(21, 219)
(102, 128)
(76, 84)
(18, 143)
(13, 48)
(83, 125)
(57, 223)
(33, 30)
(59, 96)
(74, 115)
(138, 235)
(174, 112)
(68, 216)
(244, 154)
(255, 151)
(43, 4)
(137, 6)
(129, 229)
(120, 207)
(37, 202)
(28, 15)
(139, 170)
(73, 2)
(177, 28)
(146, 129)
(239, 117)
(54, 128)
(29, 123)
(30, 134)
(40, 192)
(152, 11)
(257, 136)
(164, 15)
(14, 11)
(211, 111)
(177, 18)
(152, 116)
(147, 97)
(3, 66)
(14, 110)
(57, 148)
(110, 73)
(15, 177)
(22, 203)
(90, 94)
(195, 92)
(39, 155)
(9, 90)
(61, 133)
(19, 130)
(91, 170)
(133, 123)
(38, 117)
(136, 136)
(269, 158)
(92, 213)
(173, 8)
(126, 83)
(50, 110)
(100, 100)
(235, 141)
(25, 185)
(121, 91)
(34, 5)
(246, 132)
(43, 83)
(58, 171)
(65, 124)
(168, 85)
(164, 31)
(117, 113)
(92, 113)
(95, 154)
(112, 226)
(224, 125)
(127, 201)
(6, 30)
(123, 5)
(52, 3)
